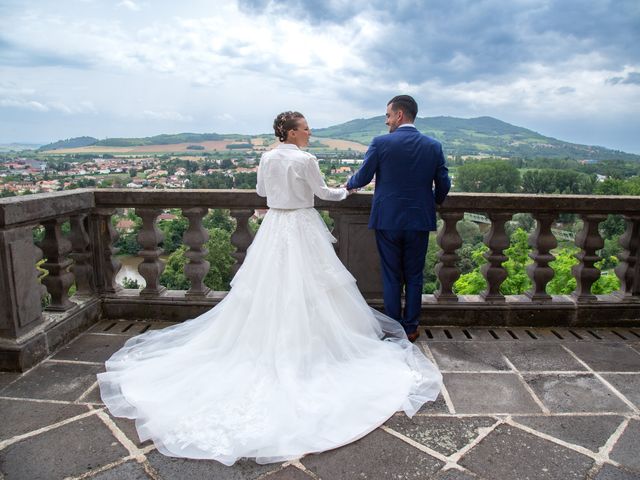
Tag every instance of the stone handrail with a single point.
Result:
(88, 258)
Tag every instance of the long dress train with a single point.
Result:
(292, 361)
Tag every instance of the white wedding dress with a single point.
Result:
(292, 361)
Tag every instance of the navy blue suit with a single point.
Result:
(411, 178)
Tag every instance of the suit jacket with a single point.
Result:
(411, 178)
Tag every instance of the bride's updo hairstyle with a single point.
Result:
(285, 122)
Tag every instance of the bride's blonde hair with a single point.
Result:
(285, 122)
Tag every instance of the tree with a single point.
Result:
(563, 282)
(495, 176)
(219, 258)
(469, 232)
(430, 279)
(130, 283)
(218, 218)
(517, 280)
(173, 231)
(473, 282)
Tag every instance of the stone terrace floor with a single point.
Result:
(517, 404)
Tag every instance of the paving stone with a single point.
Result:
(479, 356)
(626, 384)
(539, 357)
(607, 357)
(437, 406)
(93, 396)
(20, 416)
(510, 453)
(289, 473)
(591, 432)
(6, 378)
(70, 450)
(574, 393)
(128, 427)
(452, 474)
(445, 435)
(129, 471)
(54, 381)
(609, 472)
(92, 348)
(626, 451)
(379, 455)
(170, 468)
(489, 393)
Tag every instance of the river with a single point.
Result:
(129, 269)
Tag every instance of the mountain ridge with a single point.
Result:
(478, 136)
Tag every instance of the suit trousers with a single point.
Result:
(402, 257)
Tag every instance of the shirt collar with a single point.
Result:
(407, 125)
(288, 146)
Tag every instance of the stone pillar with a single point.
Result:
(449, 241)
(21, 305)
(589, 241)
(493, 271)
(540, 273)
(242, 237)
(628, 271)
(195, 238)
(358, 252)
(82, 267)
(103, 236)
(55, 248)
(150, 238)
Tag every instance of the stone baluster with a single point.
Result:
(449, 241)
(493, 271)
(242, 237)
(82, 268)
(41, 291)
(628, 271)
(149, 239)
(195, 238)
(542, 241)
(55, 247)
(103, 236)
(589, 241)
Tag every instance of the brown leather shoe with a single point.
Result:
(413, 336)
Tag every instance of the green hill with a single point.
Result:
(69, 143)
(162, 139)
(478, 136)
(135, 142)
(459, 136)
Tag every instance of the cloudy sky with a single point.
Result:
(105, 68)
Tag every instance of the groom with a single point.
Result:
(411, 178)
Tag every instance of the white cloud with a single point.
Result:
(174, 116)
(24, 104)
(200, 61)
(130, 4)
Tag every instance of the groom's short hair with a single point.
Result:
(405, 103)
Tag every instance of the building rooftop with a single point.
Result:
(518, 403)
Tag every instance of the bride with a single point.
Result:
(292, 361)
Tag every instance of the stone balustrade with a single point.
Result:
(88, 258)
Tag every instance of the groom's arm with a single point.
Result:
(365, 173)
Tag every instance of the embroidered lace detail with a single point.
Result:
(222, 429)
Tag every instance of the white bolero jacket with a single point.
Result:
(289, 177)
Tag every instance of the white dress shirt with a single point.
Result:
(289, 177)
